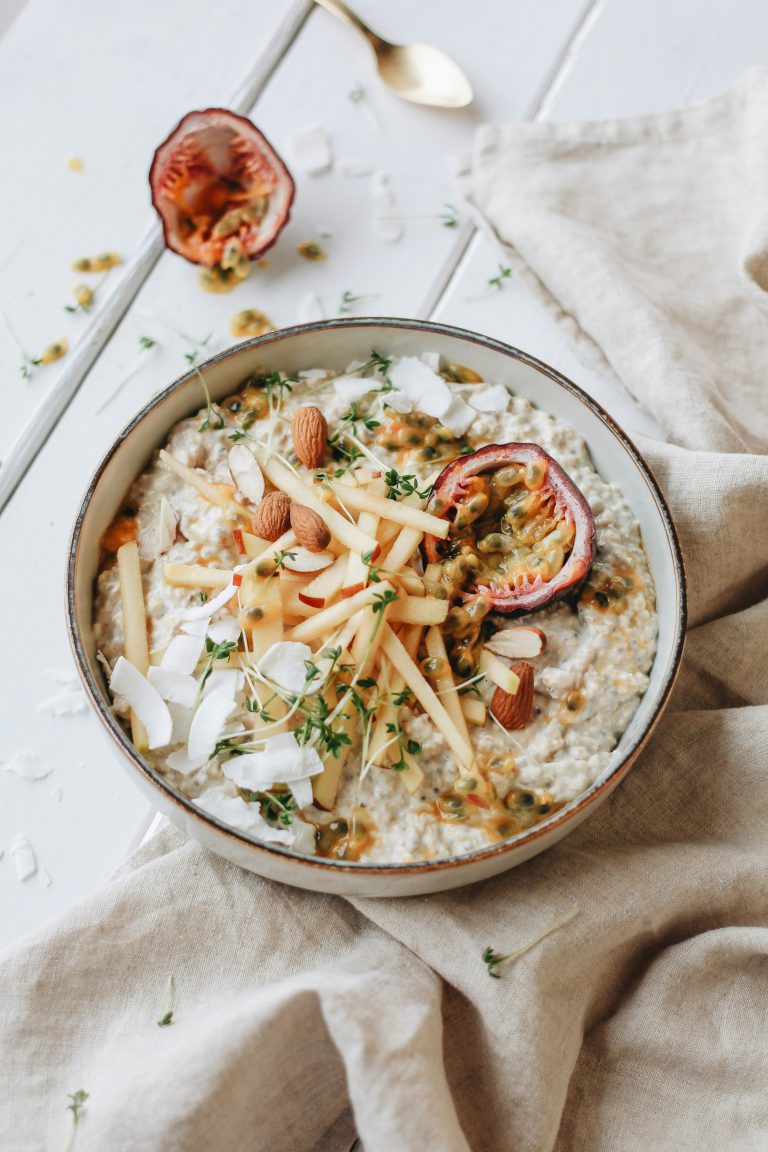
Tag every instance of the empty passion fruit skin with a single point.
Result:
(218, 185)
(524, 530)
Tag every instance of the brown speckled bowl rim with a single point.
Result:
(564, 815)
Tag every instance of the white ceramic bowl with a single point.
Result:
(334, 344)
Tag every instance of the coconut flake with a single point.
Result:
(235, 812)
(302, 792)
(493, 399)
(157, 537)
(224, 631)
(312, 374)
(310, 310)
(64, 703)
(351, 167)
(29, 765)
(196, 627)
(246, 473)
(303, 837)
(458, 416)
(412, 376)
(285, 664)
(45, 877)
(146, 702)
(384, 225)
(211, 607)
(23, 857)
(352, 388)
(182, 654)
(174, 687)
(182, 718)
(182, 763)
(312, 150)
(282, 762)
(208, 723)
(399, 402)
(228, 681)
(431, 359)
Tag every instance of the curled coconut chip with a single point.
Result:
(211, 607)
(285, 664)
(430, 393)
(144, 700)
(208, 724)
(493, 399)
(228, 681)
(174, 687)
(282, 761)
(353, 388)
(312, 151)
(246, 473)
(183, 653)
(27, 764)
(224, 631)
(236, 813)
(24, 857)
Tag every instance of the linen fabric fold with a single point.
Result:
(299, 1019)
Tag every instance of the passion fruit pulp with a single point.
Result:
(521, 531)
(220, 189)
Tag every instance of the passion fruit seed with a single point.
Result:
(101, 263)
(217, 280)
(250, 322)
(235, 260)
(434, 666)
(83, 295)
(54, 351)
(310, 250)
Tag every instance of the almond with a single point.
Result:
(310, 529)
(310, 433)
(517, 642)
(272, 518)
(514, 712)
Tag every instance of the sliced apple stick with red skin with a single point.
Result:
(325, 586)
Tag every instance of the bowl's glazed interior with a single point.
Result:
(334, 344)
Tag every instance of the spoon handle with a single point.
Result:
(340, 10)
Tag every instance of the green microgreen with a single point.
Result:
(203, 597)
(412, 747)
(75, 1106)
(374, 576)
(382, 599)
(349, 299)
(210, 411)
(166, 1019)
(493, 959)
(403, 484)
(497, 282)
(348, 424)
(220, 651)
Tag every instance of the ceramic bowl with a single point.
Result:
(334, 344)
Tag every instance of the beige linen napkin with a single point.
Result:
(643, 1023)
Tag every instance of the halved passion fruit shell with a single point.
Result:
(521, 531)
(218, 184)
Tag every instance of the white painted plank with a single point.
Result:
(103, 84)
(311, 85)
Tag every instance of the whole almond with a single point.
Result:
(310, 529)
(514, 712)
(272, 518)
(310, 433)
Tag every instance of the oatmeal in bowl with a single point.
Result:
(375, 607)
(384, 615)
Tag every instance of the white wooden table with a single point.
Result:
(106, 82)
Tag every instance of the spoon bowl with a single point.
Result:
(422, 74)
(416, 72)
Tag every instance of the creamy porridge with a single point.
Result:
(323, 651)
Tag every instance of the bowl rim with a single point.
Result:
(571, 811)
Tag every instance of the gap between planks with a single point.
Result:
(49, 411)
(537, 109)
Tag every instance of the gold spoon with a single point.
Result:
(415, 72)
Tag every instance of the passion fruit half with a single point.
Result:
(218, 184)
(521, 531)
